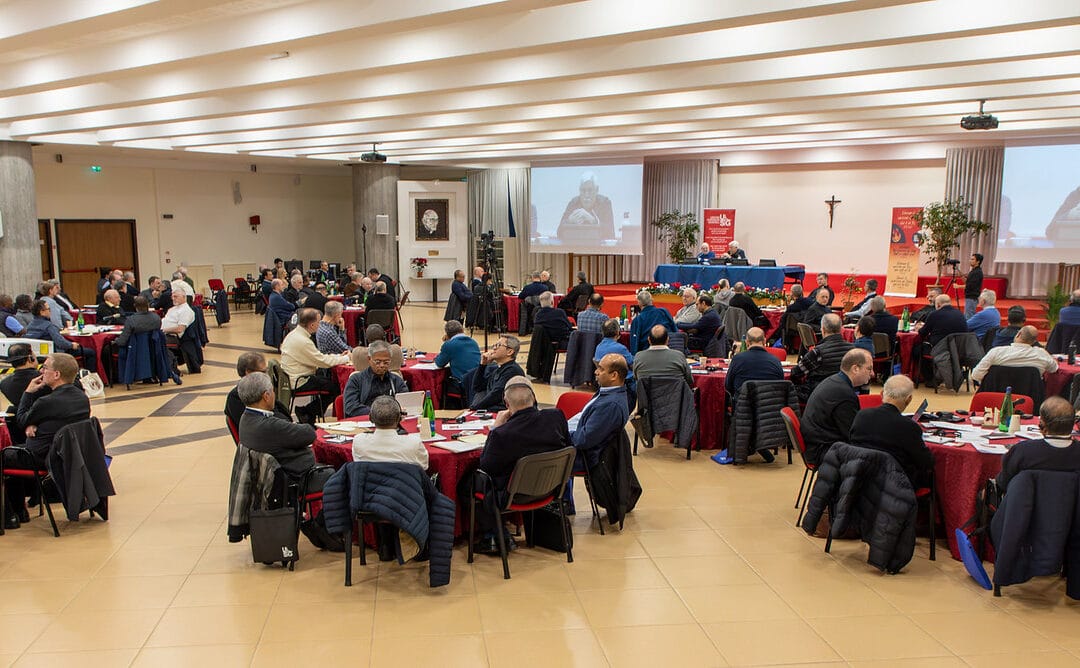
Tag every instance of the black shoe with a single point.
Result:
(767, 456)
(486, 545)
(23, 514)
(11, 523)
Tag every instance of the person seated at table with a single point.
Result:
(461, 291)
(1022, 352)
(988, 317)
(43, 329)
(754, 363)
(61, 297)
(373, 333)
(797, 305)
(375, 381)
(943, 321)
(553, 320)
(307, 368)
(389, 284)
(741, 300)
(262, 430)
(106, 281)
(281, 307)
(1070, 313)
(723, 293)
(128, 292)
(823, 286)
(58, 314)
(605, 414)
(497, 366)
(380, 300)
(317, 298)
(22, 309)
(1017, 317)
(611, 344)
(9, 324)
(49, 402)
(646, 319)
(24, 368)
(863, 307)
(818, 310)
(323, 273)
(545, 278)
(702, 331)
(659, 360)
(582, 289)
(689, 312)
(823, 360)
(520, 430)
(864, 333)
(885, 428)
(142, 320)
(705, 254)
(295, 293)
(178, 318)
(831, 408)
(592, 318)
(350, 287)
(109, 311)
(1057, 450)
(158, 293)
(247, 364)
(922, 314)
(385, 444)
(733, 252)
(534, 288)
(345, 276)
(458, 350)
(884, 322)
(330, 336)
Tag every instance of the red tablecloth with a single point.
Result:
(905, 340)
(774, 315)
(1060, 382)
(89, 316)
(351, 315)
(418, 380)
(95, 342)
(5, 436)
(512, 304)
(450, 466)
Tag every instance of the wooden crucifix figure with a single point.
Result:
(832, 207)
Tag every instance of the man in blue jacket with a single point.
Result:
(704, 328)
(281, 307)
(458, 350)
(988, 317)
(650, 315)
(606, 412)
(43, 329)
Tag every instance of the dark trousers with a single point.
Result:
(322, 381)
(18, 489)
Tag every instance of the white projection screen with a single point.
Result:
(588, 209)
(1040, 205)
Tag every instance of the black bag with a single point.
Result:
(977, 528)
(542, 528)
(315, 530)
(274, 535)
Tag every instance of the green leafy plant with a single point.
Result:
(1056, 298)
(679, 231)
(943, 224)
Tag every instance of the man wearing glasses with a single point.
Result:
(364, 387)
(49, 403)
(497, 366)
(43, 329)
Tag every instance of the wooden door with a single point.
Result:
(45, 236)
(87, 247)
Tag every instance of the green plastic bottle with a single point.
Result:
(80, 322)
(622, 315)
(429, 411)
(905, 320)
(1006, 411)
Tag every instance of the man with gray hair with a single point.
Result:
(262, 431)
(458, 350)
(535, 287)
(582, 289)
(385, 444)
(689, 313)
(743, 301)
(863, 307)
(649, 317)
(281, 306)
(988, 317)
(497, 366)
(589, 210)
(823, 360)
(885, 428)
(545, 278)
(884, 322)
(553, 320)
(380, 299)
(330, 337)
(109, 311)
(363, 387)
(1023, 352)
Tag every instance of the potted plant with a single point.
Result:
(1056, 299)
(851, 288)
(942, 224)
(418, 264)
(679, 230)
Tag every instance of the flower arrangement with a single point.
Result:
(418, 264)
(757, 294)
(851, 288)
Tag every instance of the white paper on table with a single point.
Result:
(956, 426)
(458, 446)
(347, 426)
(424, 366)
(475, 425)
(433, 437)
(940, 440)
(990, 449)
(1028, 433)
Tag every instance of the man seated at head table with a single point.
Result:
(885, 428)
(659, 360)
(373, 333)
(247, 364)
(1057, 450)
(307, 368)
(823, 360)
(49, 403)
(705, 254)
(649, 317)
(754, 363)
(733, 252)
(363, 387)
(497, 366)
(380, 300)
(832, 406)
(701, 331)
(554, 321)
(385, 444)
(591, 319)
(1023, 352)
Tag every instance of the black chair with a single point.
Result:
(988, 338)
(242, 294)
(807, 337)
(1060, 338)
(1023, 380)
(884, 357)
(25, 468)
(384, 318)
(536, 481)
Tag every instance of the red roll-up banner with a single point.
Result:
(718, 229)
(902, 276)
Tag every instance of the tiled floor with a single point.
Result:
(708, 571)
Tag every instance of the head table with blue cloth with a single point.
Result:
(709, 275)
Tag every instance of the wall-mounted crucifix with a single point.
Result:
(832, 202)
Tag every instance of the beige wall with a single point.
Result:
(307, 219)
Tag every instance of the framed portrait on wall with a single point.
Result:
(433, 220)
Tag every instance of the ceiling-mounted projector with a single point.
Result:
(980, 121)
(373, 155)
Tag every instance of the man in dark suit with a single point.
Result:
(582, 289)
(884, 428)
(497, 366)
(884, 322)
(519, 431)
(159, 294)
(924, 313)
(380, 299)
(535, 288)
(823, 286)
(142, 320)
(832, 406)
(391, 287)
(281, 306)
(316, 298)
(743, 301)
(553, 320)
(49, 403)
(263, 431)
(943, 321)
(247, 364)
(24, 369)
(701, 331)
(754, 363)
(817, 310)
(128, 293)
(109, 311)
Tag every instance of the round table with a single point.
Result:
(452, 467)
(512, 303)
(352, 315)
(418, 380)
(1060, 382)
(95, 342)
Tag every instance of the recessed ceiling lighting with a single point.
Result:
(280, 55)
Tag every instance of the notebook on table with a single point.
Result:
(412, 403)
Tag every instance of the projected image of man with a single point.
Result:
(589, 210)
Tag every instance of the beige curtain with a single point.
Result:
(975, 174)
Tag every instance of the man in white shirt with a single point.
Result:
(1022, 352)
(179, 317)
(301, 360)
(385, 444)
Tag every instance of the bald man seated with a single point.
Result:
(1022, 352)
(885, 428)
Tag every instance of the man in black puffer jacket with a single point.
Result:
(401, 494)
(823, 360)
